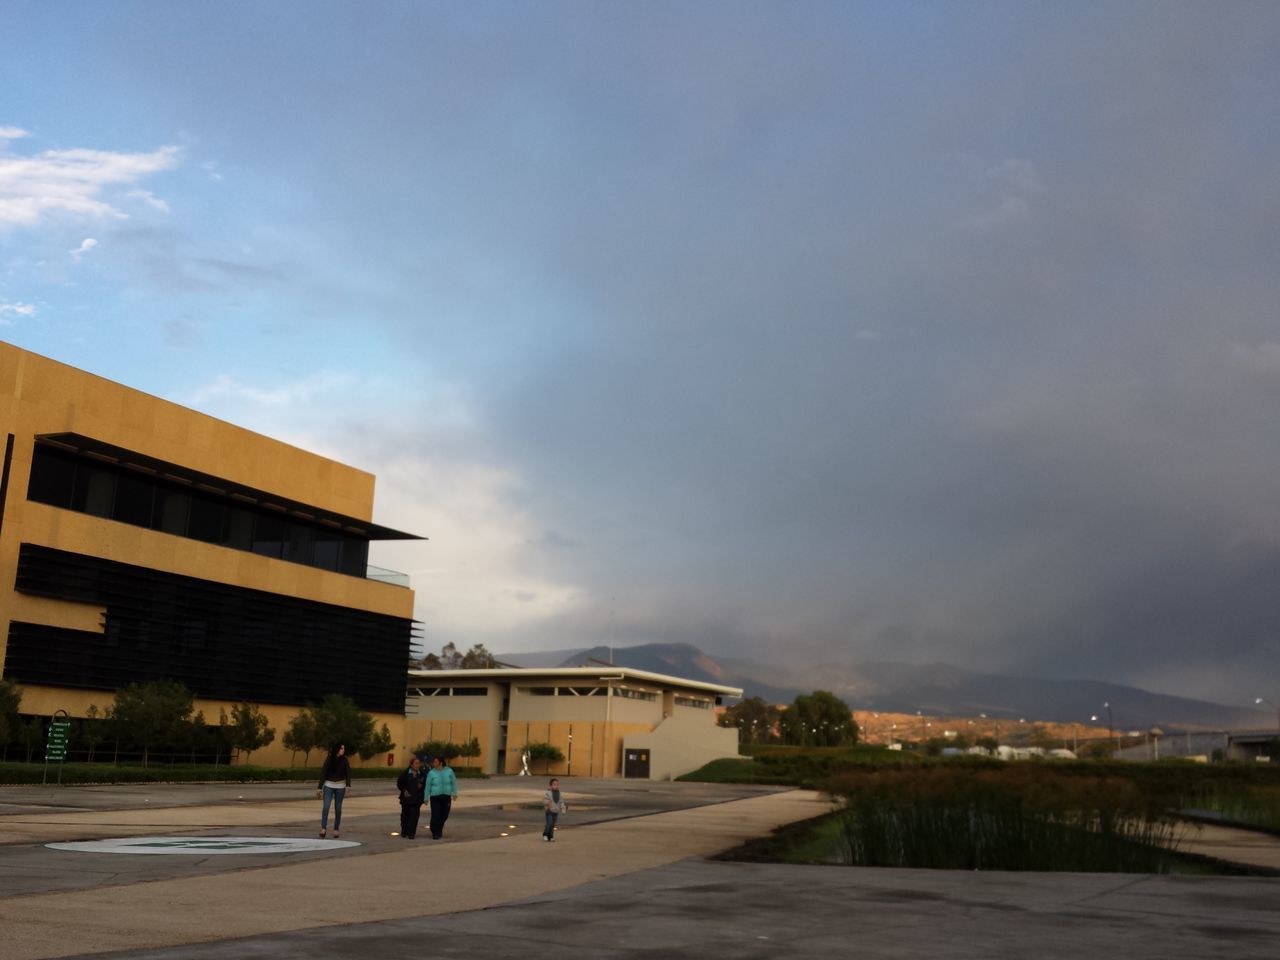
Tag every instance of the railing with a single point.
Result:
(382, 575)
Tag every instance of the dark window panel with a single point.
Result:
(134, 497)
(172, 508)
(355, 557)
(327, 549)
(53, 477)
(268, 535)
(207, 519)
(105, 490)
(298, 546)
(95, 489)
(240, 527)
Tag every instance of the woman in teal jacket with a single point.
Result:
(442, 790)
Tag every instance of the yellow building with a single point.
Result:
(140, 540)
(606, 721)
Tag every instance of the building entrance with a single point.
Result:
(635, 764)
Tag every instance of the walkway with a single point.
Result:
(626, 879)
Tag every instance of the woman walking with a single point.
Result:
(442, 790)
(335, 779)
(553, 805)
(411, 786)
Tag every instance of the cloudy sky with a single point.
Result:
(842, 331)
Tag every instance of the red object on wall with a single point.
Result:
(391, 759)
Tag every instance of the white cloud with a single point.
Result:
(474, 578)
(1262, 358)
(1017, 176)
(304, 390)
(15, 308)
(1016, 182)
(74, 182)
(150, 199)
(87, 244)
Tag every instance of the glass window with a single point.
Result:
(95, 489)
(134, 494)
(297, 548)
(53, 477)
(89, 485)
(171, 508)
(327, 549)
(240, 527)
(206, 519)
(355, 557)
(268, 535)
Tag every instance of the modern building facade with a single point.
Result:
(606, 721)
(140, 540)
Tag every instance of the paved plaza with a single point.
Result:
(628, 877)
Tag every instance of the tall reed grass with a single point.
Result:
(1017, 818)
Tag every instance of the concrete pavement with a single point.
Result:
(627, 878)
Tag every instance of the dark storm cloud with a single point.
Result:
(962, 360)
(926, 332)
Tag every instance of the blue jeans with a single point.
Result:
(334, 794)
(550, 831)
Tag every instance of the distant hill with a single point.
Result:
(934, 689)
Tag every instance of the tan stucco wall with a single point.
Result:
(684, 742)
(41, 396)
(596, 749)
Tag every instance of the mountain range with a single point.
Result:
(934, 689)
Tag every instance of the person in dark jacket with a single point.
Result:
(411, 786)
(335, 781)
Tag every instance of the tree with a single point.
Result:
(754, 718)
(477, 658)
(92, 729)
(31, 734)
(547, 752)
(153, 713)
(819, 719)
(471, 749)
(450, 751)
(340, 720)
(379, 742)
(10, 698)
(301, 735)
(248, 730)
(438, 748)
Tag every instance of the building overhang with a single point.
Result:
(569, 674)
(218, 486)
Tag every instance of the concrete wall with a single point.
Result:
(682, 743)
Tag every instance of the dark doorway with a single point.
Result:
(635, 765)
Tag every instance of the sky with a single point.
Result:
(828, 332)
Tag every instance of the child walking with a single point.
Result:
(553, 805)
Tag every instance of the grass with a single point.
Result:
(975, 813)
(1017, 818)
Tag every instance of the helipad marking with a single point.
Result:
(203, 846)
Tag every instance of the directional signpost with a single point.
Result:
(56, 747)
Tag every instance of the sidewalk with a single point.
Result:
(414, 880)
(626, 879)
